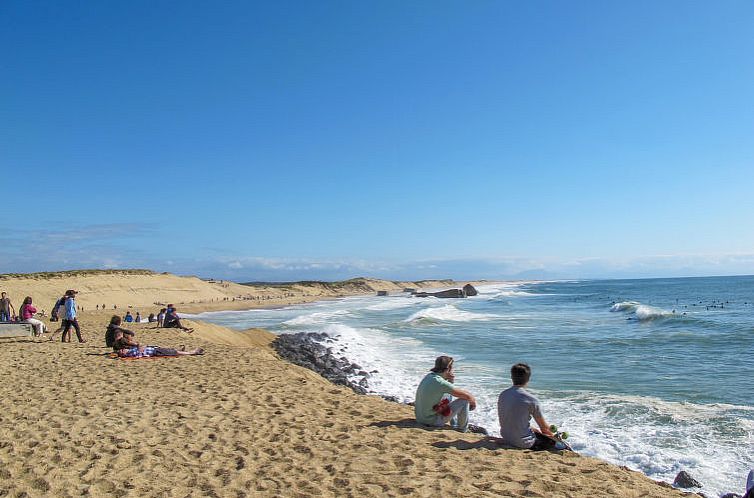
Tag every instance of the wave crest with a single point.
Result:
(448, 313)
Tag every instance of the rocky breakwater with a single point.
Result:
(308, 349)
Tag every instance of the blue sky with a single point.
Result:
(292, 140)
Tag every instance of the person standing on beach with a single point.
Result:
(515, 407)
(433, 404)
(70, 318)
(161, 317)
(5, 308)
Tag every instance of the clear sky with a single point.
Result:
(291, 140)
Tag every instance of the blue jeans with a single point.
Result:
(4, 317)
(459, 415)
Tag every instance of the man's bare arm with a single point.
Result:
(544, 428)
(460, 393)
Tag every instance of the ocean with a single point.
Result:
(653, 374)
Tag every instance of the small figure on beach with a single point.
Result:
(151, 318)
(172, 320)
(128, 318)
(6, 315)
(70, 319)
(434, 404)
(138, 317)
(26, 314)
(515, 408)
(117, 337)
(161, 317)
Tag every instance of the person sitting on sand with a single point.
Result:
(26, 314)
(172, 320)
(114, 331)
(515, 407)
(151, 318)
(433, 404)
(128, 318)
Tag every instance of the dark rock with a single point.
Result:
(393, 399)
(684, 480)
(469, 290)
(306, 350)
(450, 293)
(477, 429)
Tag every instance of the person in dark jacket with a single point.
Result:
(114, 330)
(173, 321)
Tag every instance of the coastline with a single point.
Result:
(240, 421)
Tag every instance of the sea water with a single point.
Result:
(655, 374)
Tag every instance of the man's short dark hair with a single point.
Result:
(520, 374)
(442, 363)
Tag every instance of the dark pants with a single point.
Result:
(543, 442)
(67, 330)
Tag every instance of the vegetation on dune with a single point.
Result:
(73, 273)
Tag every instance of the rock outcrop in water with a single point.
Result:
(684, 480)
(467, 290)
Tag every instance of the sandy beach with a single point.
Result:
(237, 421)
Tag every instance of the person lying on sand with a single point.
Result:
(515, 407)
(115, 331)
(433, 404)
(172, 320)
(150, 351)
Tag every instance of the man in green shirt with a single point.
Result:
(433, 404)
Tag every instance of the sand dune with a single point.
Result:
(240, 422)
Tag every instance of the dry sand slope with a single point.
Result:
(240, 422)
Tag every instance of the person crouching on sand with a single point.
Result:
(515, 407)
(433, 404)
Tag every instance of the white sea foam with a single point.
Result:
(625, 306)
(448, 313)
(315, 318)
(399, 362)
(393, 304)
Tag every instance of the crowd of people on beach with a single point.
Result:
(65, 310)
